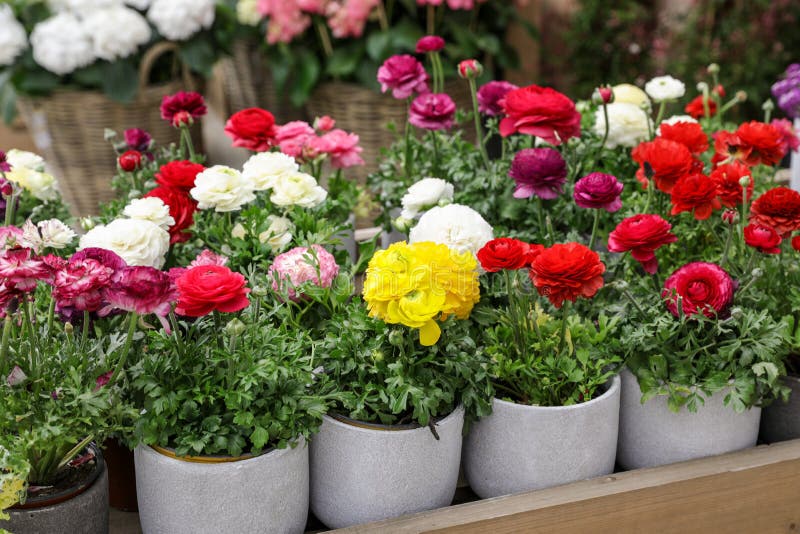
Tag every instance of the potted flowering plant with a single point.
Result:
(392, 444)
(28, 191)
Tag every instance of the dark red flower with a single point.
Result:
(689, 134)
(252, 128)
(778, 208)
(181, 209)
(540, 111)
(642, 235)
(566, 272)
(491, 94)
(667, 161)
(538, 171)
(763, 238)
(138, 139)
(729, 189)
(183, 107)
(130, 160)
(429, 43)
(696, 193)
(180, 174)
(700, 287)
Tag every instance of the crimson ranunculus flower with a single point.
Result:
(106, 258)
(506, 253)
(778, 208)
(642, 235)
(763, 238)
(183, 107)
(696, 193)
(668, 160)
(432, 111)
(566, 272)
(143, 290)
(701, 288)
(726, 179)
(491, 94)
(180, 174)
(538, 171)
(181, 208)
(252, 128)
(207, 288)
(404, 75)
(138, 139)
(599, 191)
(696, 109)
(753, 143)
(429, 43)
(689, 134)
(130, 160)
(796, 243)
(540, 111)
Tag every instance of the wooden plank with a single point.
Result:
(757, 490)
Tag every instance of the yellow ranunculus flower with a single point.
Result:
(414, 285)
(628, 93)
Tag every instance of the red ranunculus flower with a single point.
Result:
(796, 243)
(753, 143)
(181, 209)
(642, 235)
(668, 160)
(763, 238)
(778, 208)
(726, 179)
(252, 128)
(701, 288)
(566, 272)
(207, 288)
(504, 253)
(540, 111)
(695, 107)
(180, 174)
(130, 160)
(695, 193)
(182, 107)
(689, 134)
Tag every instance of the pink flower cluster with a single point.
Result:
(301, 141)
(301, 265)
(288, 19)
(452, 4)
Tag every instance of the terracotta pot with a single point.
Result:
(121, 476)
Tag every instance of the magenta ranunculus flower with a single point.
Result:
(143, 290)
(21, 270)
(701, 287)
(538, 171)
(183, 107)
(342, 147)
(106, 257)
(301, 265)
(102, 380)
(138, 139)
(429, 43)
(404, 75)
(490, 94)
(4, 165)
(599, 191)
(432, 111)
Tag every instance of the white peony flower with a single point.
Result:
(424, 195)
(662, 88)
(23, 158)
(279, 233)
(628, 125)
(222, 188)
(247, 12)
(46, 234)
(265, 168)
(178, 20)
(138, 242)
(40, 184)
(297, 189)
(457, 226)
(117, 32)
(61, 44)
(13, 38)
(149, 209)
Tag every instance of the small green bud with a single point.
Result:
(396, 338)
(377, 355)
(737, 313)
(68, 329)
(702, 87)
(744, 181)
(713, 68)
(768, 105)
(259, 291)
(757, 273)
(403, 224)
(87, 223)
(741, 96)
(235, 327)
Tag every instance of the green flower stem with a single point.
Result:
(662, 107)
(728, 241)
(606, 129)
(126, 349)
(633, 300)
(51, 309)
(540, 215)
(435, 141)
(562, 338)
(707, 223)
(7, 325)
(84, 331)
(650, 193)
(409, 164)
(11, 209)
(477, 116)
(178, 341)
(34, 356)
(594, 228)
(217, 329)
(324, 37)
(551, 233)
(767, 115)
(186, 141)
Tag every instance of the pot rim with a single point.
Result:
(613, 389)
(792, 378)
(221, 459)
(363, 426)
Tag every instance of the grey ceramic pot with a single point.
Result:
(519, 448)
(86, 513)
(266, 493)
(361, 474)
(780, 421)
(650, 434)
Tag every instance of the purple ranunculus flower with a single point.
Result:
(432, 111)
(538, 171)
(404, 75)
(787, 91)
(5, 166)
(599, 191)
(105, 257)
(138, 139)
(490, 94)
(429, 43)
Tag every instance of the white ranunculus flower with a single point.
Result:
(222, 188)
(61, 44)
(23, 158)
(51, 233)
(662, 88)
(297, 189)
(178, 20)
(13, 38)
(117, 32)
(279, 233)
(626, 93)
(247, 12)
(457, 226)
(138, 4)
(627, 125)
(138, 242)
(149, 209)
(424, 195)
(40, 184)
(265, 168)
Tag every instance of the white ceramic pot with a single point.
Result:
(266, 493)
(780, 421)
(520, 448)
(371, 472)
(651, 434)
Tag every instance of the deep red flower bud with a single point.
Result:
(130, 160)
(730, 216)
(469, 69)
(7, 188)
(181, 118)
(604, 94)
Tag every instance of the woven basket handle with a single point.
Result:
(149, 60)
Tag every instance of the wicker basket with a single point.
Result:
(68, 128)
(367, 113)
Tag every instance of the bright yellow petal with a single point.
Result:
(429, 333)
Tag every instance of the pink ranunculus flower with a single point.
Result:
(789, 137)
(300, 265)
(293, 137)
(347, 18)
(21, 270)
(286, 20)
(79, 286)
(324, 124)
(432, 111)
(538, 171)
(312, 6)
(429, 43)
(599, 191)
(342, 147)
(208, 258)
(429, 2)
(10, 237)
(490, 94)
(700, 287)
(143, 290)
(404, 75)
